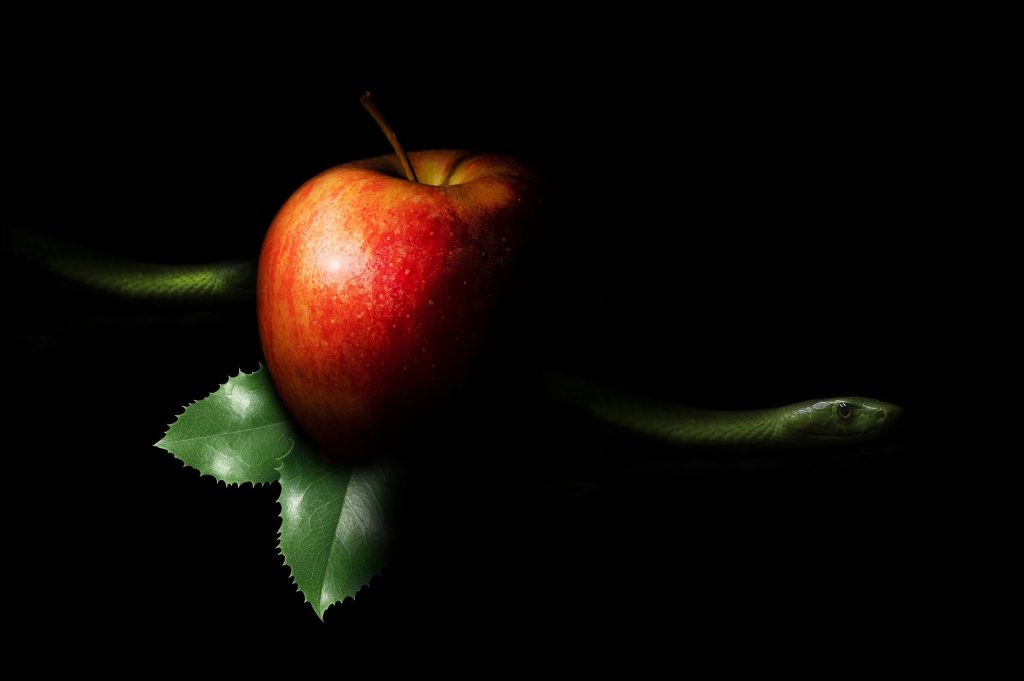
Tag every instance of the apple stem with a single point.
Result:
(367, 101)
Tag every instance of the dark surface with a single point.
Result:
(747, 232)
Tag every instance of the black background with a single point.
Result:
(747, 222)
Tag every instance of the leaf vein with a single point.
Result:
(228, 432)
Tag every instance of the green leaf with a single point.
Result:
(237, 434)
(334, 529)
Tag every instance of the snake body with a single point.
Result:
(220, 281)
(813, 423)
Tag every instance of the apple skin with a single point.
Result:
(375, 293)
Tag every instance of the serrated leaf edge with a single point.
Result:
(177, 417)
(291, 573)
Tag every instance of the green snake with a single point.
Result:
(124, 278)
(813, 423)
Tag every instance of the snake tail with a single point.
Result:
(227, 281)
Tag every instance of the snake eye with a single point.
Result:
(844, 410)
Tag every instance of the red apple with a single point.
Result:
(374, 291)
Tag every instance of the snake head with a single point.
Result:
(851, 418)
